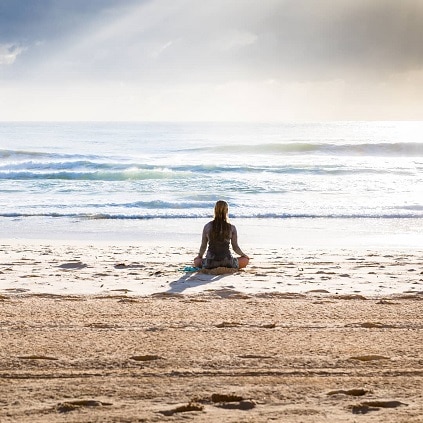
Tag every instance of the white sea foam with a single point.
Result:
(106, 171)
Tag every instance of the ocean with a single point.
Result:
(107, 180)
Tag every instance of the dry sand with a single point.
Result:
(124, 334)
(148, 269)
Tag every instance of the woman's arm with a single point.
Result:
(234, 242)
(204, 240)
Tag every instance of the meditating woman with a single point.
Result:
(219, 234)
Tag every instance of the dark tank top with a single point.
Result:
(219, 250)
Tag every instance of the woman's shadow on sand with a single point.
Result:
(197, 278)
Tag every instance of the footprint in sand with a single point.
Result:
(99, 325)
(192, 406)
(241, 405)
(129, 266)
(375, 325)
(351, 297)
(232, 402)
(36, 357)
(73, 265)
(352, 392)
(66, 407)
(228, 325)
(255, 356)
(17, 290)
(368, 406)
(318, 291)
(369, 357)
(147, 357)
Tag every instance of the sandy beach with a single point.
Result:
(127, 333)
(126, 127)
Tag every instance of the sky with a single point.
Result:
(220, 60)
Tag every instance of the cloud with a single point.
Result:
(219, 41)
(9, 53)
(350, 37)
(47, 27)
(233, 39)
(222, 58)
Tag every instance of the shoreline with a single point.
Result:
(388, 233)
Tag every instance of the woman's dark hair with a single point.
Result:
(221, 227)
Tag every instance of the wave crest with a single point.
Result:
(401, 149)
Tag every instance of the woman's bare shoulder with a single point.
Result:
(208, 226)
